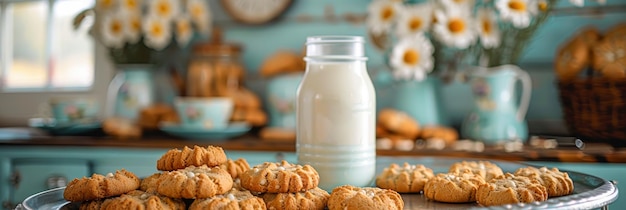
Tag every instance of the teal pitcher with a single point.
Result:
(496, 116)
(131, 90)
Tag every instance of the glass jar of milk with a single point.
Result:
(336, 112)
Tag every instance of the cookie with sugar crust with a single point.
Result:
(100, 186)
(194, 182)
(175, 159)
(281, 177)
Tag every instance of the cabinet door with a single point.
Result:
(36, 175)
(140, 166)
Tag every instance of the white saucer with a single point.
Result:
(233, 130)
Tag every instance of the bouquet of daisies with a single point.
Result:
(134, 29)
(440, 34)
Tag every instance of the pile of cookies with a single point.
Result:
(477, 181)
(592, 49)
(397, 130)
(204, 178)
(199, 177)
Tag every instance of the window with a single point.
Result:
(39, 48)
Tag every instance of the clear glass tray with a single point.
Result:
(589, 191)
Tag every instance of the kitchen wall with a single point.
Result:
(259, 42)
(544, 115)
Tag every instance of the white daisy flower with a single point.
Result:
(157, 32)
(517, 12)
(132, 23)
(414, 19)
(459, 5)
(131, 5)
(183, 30)
(105, 5)
(200, 14)
(412, 57)
(381, 15)
(164, 9)
(113, 31)
(488, 29)
(454, 29)
(542, 5)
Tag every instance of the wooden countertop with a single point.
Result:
(593, 152)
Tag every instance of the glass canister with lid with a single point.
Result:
(214, 69)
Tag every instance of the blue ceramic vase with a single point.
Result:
(419, 99)
(497, 116)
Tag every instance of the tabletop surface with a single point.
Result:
(592, 152)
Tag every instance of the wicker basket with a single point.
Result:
(594, 109)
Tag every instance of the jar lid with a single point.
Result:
(336, 46)
(215, 46)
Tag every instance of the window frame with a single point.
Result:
(17, 106)
(6, 52)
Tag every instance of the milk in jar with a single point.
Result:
(336, 112)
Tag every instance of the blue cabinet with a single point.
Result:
(30, 175)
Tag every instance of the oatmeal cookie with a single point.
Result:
(178, 159)
(234, 199)
(453, 187)
(351, 197)
(616, 32)
(101, 186)
(280, 178)
(485, 169)
(152, 116)
(508, 189)
(609, 58)
(557, 183)
(405, 179)
(138, 199)
(447, 134)
(572, 58)
(194, 182)
(236, 167)
(121, 128)
(315, 198)
(148, 184)
(398, 122)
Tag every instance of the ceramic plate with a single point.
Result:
(53, 128)
(231, 131)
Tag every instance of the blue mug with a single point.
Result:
(73, 110)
